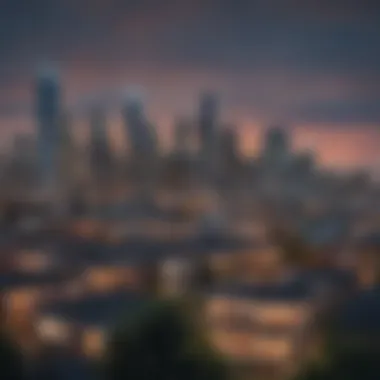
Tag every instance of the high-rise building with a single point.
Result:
(144, 147)
(21, 168)
(229, 144)
(142, 138)
(276, 141)
(208, 123)
(48, 96)
(228, 153)
(303, 166)
(100, 150)
(69, 162)
(183, 137)
(276, 154)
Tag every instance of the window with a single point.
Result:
(278, 314)
(271, 348)
(21, 300)
(93, 342)
(218, 307)
(233, 345)
(53, 330)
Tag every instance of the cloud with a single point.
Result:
(308, 59)
(359, 111)
(15, 110)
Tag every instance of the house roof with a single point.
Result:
(362, 313)
(371, 240)
(298, 287)
(325, 230)
(145, 250)
(100, 310)
(338, 278)
(18, 279)
(290, 291)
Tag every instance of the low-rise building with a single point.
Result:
(258, 262)
(359, 318)
(108, 277)
(367, 260)
(21, 292)
(273, 325)
(85, 324)
(21, 295)
(260, 324)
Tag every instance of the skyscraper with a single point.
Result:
(229, 153)
(141, 135)
(100, 151)
(229, 144)
(208, 114)
(22, 164)
(276, 154)
(183, 136)
(48, 112)
(276, 143)
(208, 132)
(144, 146)
(69, 162)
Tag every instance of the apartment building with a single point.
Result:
(84, 325)
(272, 325)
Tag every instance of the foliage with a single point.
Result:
(349, 364)
(11, 361)
(162, 341)
(10, 213)
(295, 250)
(355, 361)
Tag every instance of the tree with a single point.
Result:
(11, 213)
(204, 274)
(355, 361)
(11, 362)
(294, 249)
(162, 341)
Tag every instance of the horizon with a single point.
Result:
(314, 66)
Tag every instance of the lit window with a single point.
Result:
(271, 349)
(53, 330)
(93, 342)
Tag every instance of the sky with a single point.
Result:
(313, 65)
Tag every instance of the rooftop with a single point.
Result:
(362, 314)
(289, 291)
(297, 287)
(18, 279)
(100, 310)
(329, 276)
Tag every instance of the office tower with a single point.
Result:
(183, 137)
(303, 166)
(229, 145)
(48, 96)
(100, 150)
(69, 162)
(144, 147)
(141, 135)
(21, 169)
(208, 132)
(276, 143)
(276, 154)
(229, 153)
(178, 168)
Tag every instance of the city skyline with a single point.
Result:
(176, 172)
(339, 148)
(310, 65)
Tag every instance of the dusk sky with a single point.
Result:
(310, 64)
